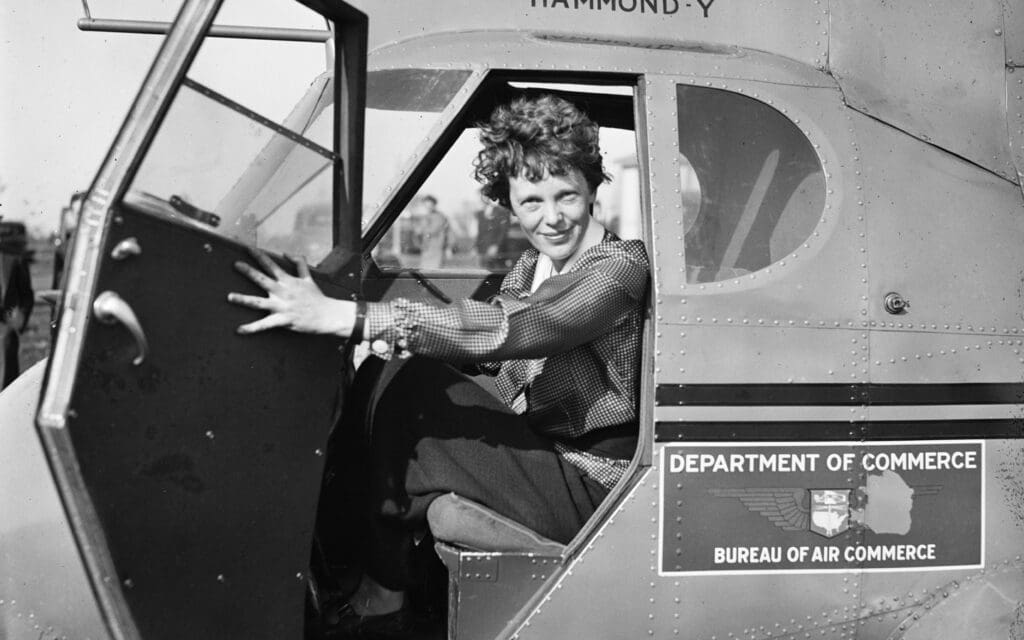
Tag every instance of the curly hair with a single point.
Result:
(534, 136)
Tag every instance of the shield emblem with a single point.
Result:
(830, 511)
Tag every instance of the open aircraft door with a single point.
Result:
(189, 458)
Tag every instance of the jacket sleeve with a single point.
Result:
(565, 311)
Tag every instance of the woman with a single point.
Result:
(562, 337)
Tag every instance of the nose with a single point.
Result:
(553, 215)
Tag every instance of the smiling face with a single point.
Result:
(554, 212)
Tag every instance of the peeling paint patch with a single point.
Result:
(1017, 624)
(1010, 475)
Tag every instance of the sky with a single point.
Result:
(64, 92)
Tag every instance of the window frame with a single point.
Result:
(455, 121)
(433, 150)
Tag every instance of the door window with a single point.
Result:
(219, 168)
(244, 166)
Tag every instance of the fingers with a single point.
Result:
(272, 321)
(265, 282)
(301, 266)
(253, 302)
(278, 283)
(268, 265)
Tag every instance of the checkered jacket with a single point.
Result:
(570, 349)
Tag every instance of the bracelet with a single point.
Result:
(357, 328)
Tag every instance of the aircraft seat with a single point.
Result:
(456, 521)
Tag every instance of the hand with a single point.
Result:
(293, 302)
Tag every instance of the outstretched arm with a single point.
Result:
(565, 311)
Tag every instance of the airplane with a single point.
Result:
(832, 381)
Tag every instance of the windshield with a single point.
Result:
(216, 163)
(402, 106)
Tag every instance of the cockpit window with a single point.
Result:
(402, 106)
(449, 226)
(242, 166)
(751, 185)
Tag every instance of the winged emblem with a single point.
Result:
(787, 508)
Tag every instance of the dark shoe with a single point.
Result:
(343, 623)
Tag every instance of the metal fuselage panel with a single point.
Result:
(899, 214)
(546, 49)
(44, 592)
(622, 563)
(792, 29)
(936, 71)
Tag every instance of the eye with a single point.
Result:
(570, 198)
(530, 205)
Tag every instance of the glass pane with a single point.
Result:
(751, 185)
(450, 225)
(250, 160)
(402, 107)
(215, 167)
(285, 69)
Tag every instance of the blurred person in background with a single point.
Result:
(492, 226)
(433, 231)
(16, 297)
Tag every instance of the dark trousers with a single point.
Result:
(416, 429)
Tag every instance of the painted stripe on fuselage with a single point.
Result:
(816, 413)
(838, 394)
(828, 430)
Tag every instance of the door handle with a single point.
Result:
(110, 308)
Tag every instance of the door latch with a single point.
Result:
(110, 308)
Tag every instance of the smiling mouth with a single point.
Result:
(557, 236)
